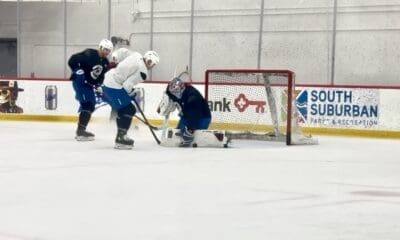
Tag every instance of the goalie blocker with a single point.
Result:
(202, 138)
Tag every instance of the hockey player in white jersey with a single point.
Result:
(119, 82)
(120, 54)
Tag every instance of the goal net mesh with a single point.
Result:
(255, 104)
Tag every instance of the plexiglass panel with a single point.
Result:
(368, 43)
(299, 38)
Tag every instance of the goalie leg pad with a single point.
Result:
(202, 138)
(173, 138)
(210, 138)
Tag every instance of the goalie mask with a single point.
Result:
(176, 87)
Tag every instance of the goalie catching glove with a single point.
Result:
(166, 105)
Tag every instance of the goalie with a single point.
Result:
(193, 109)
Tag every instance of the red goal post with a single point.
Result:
(254, 104)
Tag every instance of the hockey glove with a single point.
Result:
(99, 91)
(133, 92)
(166, 105)
(100, 96)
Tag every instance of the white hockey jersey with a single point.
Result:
(120, 54)
(129, 72)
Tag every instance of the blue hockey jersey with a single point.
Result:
(194, 106)
(91, 63)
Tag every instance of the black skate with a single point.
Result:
(83, 135)
(123, 141)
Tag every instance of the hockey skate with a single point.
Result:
(122, 141)
(83, 135)
(187, 137)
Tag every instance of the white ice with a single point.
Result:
(54, 188)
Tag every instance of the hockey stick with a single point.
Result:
(146, 121)
(184, 72)
(114, 115)
(164, 127)
(104, 103)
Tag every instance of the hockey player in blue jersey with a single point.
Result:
(88, 69)
(194, 111)
(119, 82)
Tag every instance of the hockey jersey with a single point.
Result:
(120, 54)
(129, 72)
(194, 106)
(91, 63)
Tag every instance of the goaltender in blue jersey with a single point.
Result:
(193, 109)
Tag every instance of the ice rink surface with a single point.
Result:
(54, 188)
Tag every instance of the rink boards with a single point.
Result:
(340, 110)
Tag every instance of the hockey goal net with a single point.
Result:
(255, 104)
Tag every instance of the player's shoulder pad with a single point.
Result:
(89, 51)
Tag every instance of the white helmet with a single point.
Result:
(106, 44)
(153, 56)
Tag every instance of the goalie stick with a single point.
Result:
(164, 127)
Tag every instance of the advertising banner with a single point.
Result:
(339, 107)
(318, 107)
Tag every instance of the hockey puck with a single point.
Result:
(194, 145)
